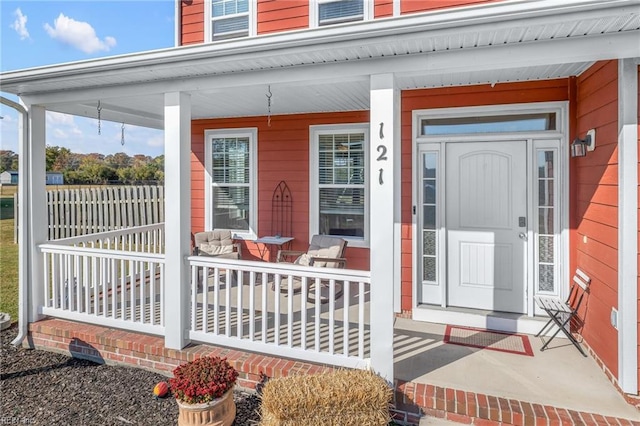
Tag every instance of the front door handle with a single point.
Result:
(523, 236)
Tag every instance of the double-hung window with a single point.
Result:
(230, 19)
(330, 12)
(230, 179)
(339, 196)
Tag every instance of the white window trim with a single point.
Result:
(367, 12)
(252, 134)
(314, 193)
(208, 22)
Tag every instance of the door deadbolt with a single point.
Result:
(522, 221)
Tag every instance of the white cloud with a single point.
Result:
(20, 24)
(59, 118)
(80, 35)
(156, 141)
(62, 126)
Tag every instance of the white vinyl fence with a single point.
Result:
(74, 212)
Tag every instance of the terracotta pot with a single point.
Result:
(219, 412)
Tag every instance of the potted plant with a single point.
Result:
(204, 391)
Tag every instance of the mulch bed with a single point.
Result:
(45, 388)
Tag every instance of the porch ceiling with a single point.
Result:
(328, 69)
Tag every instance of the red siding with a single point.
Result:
(288, 134)
(594, 189)
(413, 6)
(282, 15)
(192, 19)
(507, 93)
(382, 8)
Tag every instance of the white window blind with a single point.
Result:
(337, 11)
(341, 184)
(229, 18)
(230, 180)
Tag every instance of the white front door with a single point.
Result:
(486, 224)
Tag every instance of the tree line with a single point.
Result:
(95, 168)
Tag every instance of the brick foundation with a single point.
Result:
(411, 400)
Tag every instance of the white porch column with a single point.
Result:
(628, 225)
(32, 193)
(384, 137)
(177, 151)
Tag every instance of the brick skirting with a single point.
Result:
(411, 400)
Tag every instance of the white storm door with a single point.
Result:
(486, 209)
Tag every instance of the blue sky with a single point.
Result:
(38, 33)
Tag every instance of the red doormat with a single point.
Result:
(485, 339)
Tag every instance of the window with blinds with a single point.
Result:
(341, 184)
(229, 19)
(231, 183)
(338, 11)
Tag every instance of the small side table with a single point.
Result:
(263, 243)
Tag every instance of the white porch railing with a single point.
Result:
(236, 303)
(117, 279)
(113, 278)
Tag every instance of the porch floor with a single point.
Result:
(558, 377)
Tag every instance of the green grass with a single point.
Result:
(8, 261)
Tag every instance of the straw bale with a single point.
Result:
(342, 397)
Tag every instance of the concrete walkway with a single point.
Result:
(558, 377)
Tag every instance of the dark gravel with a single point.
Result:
(45, 388)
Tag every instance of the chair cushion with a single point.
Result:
(325, 246)
(303, 260)
(215, 249)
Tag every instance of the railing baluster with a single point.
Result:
(142, 292)
(80, 286)
(252, 305)
(277, 279)
(264, 314)
(316, 301)
(123, 289)
(205, 299)
(361, 320)
(239, 311)
(227, 307)
(194, 298)
(332, 311)
(303, 313)
(69, 282)
(48, 292)
(88, 287)
(216, 299)
(161, 285)
(346, 288)
(290, 311)
(133, 272)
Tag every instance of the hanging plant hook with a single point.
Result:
(99, 109)
(269, 95)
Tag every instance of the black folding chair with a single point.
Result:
(561, 312)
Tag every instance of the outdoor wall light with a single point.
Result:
(579, 147)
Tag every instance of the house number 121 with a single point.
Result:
(382, 151)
